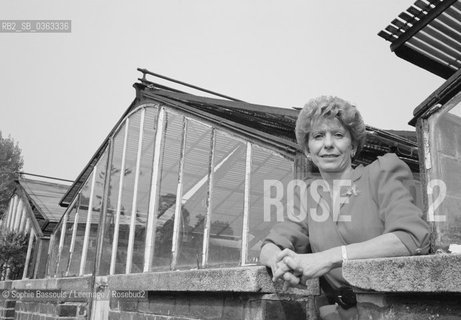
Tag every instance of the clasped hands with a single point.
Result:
(294, 268)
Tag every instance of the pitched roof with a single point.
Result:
(278, 124)
(273, 125)
(44, 198)
(428, 34)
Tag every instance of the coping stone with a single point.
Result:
(251, 279)
(429, 273)
(6, 284)
(71, 283)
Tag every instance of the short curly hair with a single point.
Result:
(330, 107)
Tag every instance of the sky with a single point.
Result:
(61, 93)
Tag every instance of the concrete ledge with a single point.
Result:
(252, 279)
(5, 284)
(72, 283)
(431, 273)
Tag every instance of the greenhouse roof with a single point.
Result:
(273, 125)
(44, 198)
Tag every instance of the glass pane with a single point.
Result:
(96, 212)
(81, 217)
(144, 184)
(265, 165)
(64, 260)
(33, 258)
(168, 186)
(195, 191)
(17, 214)
(227, 201)
(114, 184)
(52, 261)
(128, 191)
(446, 177)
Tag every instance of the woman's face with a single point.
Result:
(330, 146)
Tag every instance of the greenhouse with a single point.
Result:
(179, 184)
(34, 211)
(174, 204)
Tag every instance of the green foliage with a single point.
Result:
(11, 162)
(13, 250)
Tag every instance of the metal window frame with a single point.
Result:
(28, 254)
(129, 254)
(247, 190)
(428, 128)
(74, 233)
(154, 192)
(63, 226)
(61, 240)
(10, 214)
(38, 255)
(15, 212)
(22, 222)
(10, 207)
(154, 196)
(209, 204)
(50, 246)
(179, 190)
(103, 215)
(246, 204)
(88, 223)
(206, 178)
(11, 211)
(119, 200)
(284, 147)
(17, 215)
(28, 225)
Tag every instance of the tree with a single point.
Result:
(13, 250)
(11, 163)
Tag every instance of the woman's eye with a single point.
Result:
(339, 135)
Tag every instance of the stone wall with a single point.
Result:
(245, 293)
(7, 305)
(33, 310)
(7, 309)
(217, 306)
(418, 287)
(27, 300)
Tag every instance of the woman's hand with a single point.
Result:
(305, 266)
(282, 271)
(268, 257)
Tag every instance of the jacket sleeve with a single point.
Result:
(291, 234)
(390, 177)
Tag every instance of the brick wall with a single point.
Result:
(212, 305)
(245, 293)
(7, 309)
(32, 310)
(6, 305)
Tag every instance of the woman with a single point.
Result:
(366, 212)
